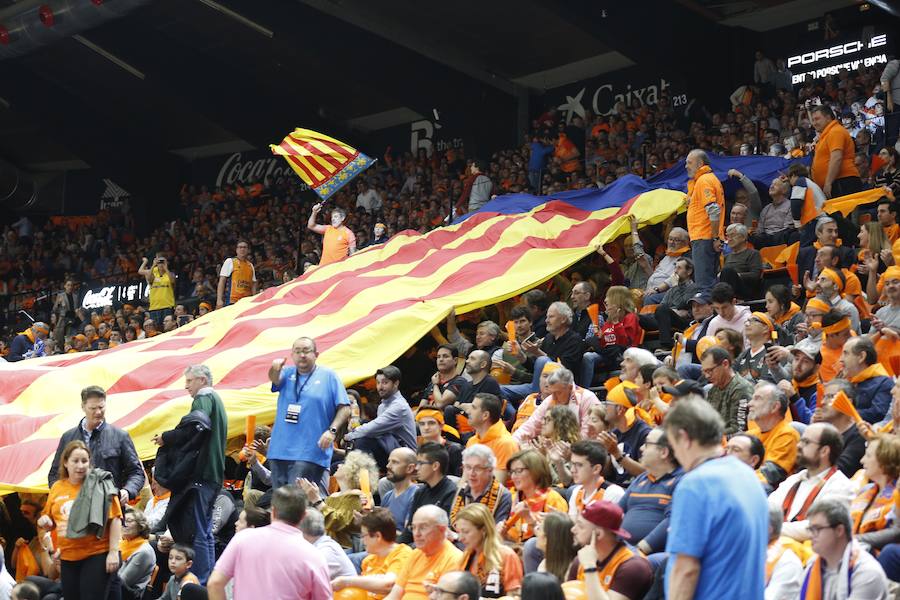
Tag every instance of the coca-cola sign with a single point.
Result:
(250, 167)
(115, 294)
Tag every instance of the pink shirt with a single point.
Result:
(276, 563)
(580, 402)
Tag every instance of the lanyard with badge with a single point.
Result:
(293, 410)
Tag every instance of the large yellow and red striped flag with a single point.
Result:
(324, 163)
(363, 311)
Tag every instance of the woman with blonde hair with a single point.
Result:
(338, 509)
(619, 331)
(532, 477)
(496, 566)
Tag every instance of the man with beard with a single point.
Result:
(394, 426)
(854, 444)
(401, 473)
(817, 453)
(338, 241)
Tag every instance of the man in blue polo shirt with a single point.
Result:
(718, 530)
(312, 405)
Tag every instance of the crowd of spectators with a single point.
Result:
(754, 452)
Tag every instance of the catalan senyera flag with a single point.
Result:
(363, 312)
(324, 163)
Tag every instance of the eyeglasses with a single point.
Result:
(707, 371)
(815, 530)
(475, 468)
(803, 442)
(518, 471)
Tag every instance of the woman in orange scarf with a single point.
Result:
(783, 312)
(496, 565)
(138, 556)
(870, 511)
(532, 478)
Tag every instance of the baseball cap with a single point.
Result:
(607, 515)
(684, 387)
(808, 347)
(701, 297)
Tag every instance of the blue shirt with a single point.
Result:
(647, 504)
(539, 155)
(720, 516)
(399, 505)
(320, 395)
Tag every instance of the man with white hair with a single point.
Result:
(561, 344)
(209, 474)
(743, 265)
(678, 244)
(481, 486)
(705, 221)
(767, 409)
(313, 529)
(434, 555)
(563, 392)
(775, 221)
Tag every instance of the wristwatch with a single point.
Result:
(333, 430)
(590, 569)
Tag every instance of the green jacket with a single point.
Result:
(732, 403)
(211, 468)
(90, 511)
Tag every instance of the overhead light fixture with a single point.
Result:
(238, 17)
(109, 56)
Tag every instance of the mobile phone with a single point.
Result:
(529, 338)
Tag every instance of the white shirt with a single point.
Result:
(339, 564)
(613, 494)
(787, 576)
(867, 580)
(155, 511)
(369, 200)
(228, 268)
(837, 487)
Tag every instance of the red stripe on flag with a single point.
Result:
(15, 428)
(18, 461)
(337, 148)
(317, 179)
(323, 155)
(173, 344)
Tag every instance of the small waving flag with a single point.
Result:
(324, 163)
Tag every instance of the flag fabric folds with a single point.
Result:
(324, 163)
(363, 312)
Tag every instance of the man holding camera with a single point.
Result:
(162, 287)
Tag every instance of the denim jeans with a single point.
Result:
(589, 363)
(286, 472)
(705, 263)
(204, 544)
(890, 561)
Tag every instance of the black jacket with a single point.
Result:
(111, 450)
(182, 447)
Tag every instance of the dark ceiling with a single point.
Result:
(207, 79)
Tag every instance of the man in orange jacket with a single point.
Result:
(705, 221)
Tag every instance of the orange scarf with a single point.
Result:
(26, 564)
(679, 252)
(525, 530)
(597, 495)
(792, 310)
(870, 509)
(876, 370)
(789, 499)
(812, 584)
(129, 547)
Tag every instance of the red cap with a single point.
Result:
(607, 515)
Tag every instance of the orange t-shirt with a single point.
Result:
(336, 244)
(780, 442)
(830, 363)
(421, 569)
(59, 505)
(705, 189)
(833, 137)
(500, 441)
(392, 563)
